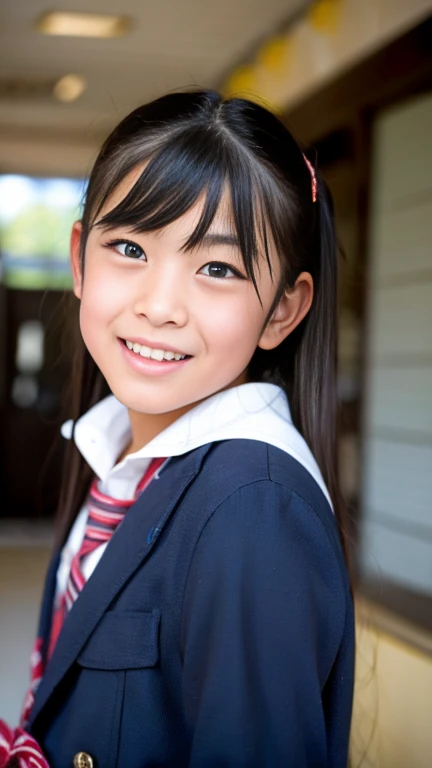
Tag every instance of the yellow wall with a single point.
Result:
(391, 725)
(330, 37)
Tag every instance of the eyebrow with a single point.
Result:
(219, 238)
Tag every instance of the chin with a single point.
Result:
(150, 403)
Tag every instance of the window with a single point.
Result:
(36, 216)
(397, 478)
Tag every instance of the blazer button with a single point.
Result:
(82, 760)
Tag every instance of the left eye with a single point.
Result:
(219, 269)
(127, 248)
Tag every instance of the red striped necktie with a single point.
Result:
(105, 514)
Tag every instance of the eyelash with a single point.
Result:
(115, 243)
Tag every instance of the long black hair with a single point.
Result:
(195, 144)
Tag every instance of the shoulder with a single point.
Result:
(266, 613)
(269, 552)
(272, 479)
(264, 510)
(250, 459)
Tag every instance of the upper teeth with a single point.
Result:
(156, 354)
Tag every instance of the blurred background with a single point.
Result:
(351, 78)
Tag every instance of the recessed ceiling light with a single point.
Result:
(83, 24)
(69, 87)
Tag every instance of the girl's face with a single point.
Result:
(144, 290)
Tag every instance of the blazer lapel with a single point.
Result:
(130, 545)
(47, 600)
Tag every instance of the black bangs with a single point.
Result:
(198, 162)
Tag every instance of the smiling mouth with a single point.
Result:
(159, 355)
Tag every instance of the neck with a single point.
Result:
(146, 426)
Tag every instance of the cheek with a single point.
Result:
(101, 302)
(232, 329)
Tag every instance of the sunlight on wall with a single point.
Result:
(332, 35)
(392, 704)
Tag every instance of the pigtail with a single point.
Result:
(85, 388)
(312, 385)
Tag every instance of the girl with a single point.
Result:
(198, 610)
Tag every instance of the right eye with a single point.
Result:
(127, 248)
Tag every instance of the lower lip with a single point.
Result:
(148, 366)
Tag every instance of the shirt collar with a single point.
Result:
(255, 410)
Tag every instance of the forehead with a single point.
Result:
(122, 189)
(223, 219)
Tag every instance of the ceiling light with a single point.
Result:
(83, 24)
(69, 87)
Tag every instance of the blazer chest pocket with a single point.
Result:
(123, 640)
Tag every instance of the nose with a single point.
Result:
(162, 296)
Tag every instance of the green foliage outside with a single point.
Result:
(38, 232)
(37, 280)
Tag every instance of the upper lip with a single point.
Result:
(154, 345)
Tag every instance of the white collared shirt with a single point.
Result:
(254, 411)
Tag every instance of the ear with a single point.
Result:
(75, 258)
(292, 308)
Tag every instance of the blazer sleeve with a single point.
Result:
(263, 618)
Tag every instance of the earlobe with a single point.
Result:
(291, 310)
(75, 258)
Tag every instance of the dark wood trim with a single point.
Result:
(3, 338)
(414, 606)
(371, 615)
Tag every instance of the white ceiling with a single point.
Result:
(174, 44)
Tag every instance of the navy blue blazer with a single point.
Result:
(217, 629)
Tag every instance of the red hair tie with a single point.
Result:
(313, 176)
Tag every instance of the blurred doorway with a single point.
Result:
(35, 221)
